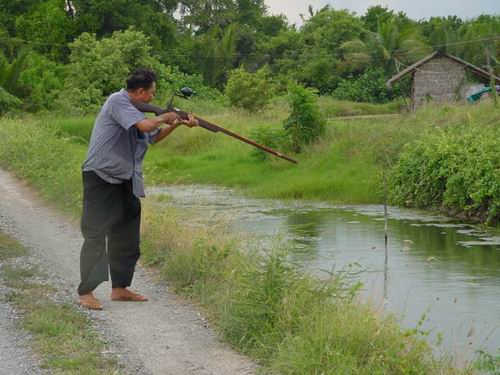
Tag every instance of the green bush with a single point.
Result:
(457, 167)
(369, 87)
(100, 67)
(7, 101)
(45, 79)
(305, 123)
(177, 79)
(251, 91)
(275, 138)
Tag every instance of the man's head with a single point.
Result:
(141, 85)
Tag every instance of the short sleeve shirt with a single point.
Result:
(117, 148)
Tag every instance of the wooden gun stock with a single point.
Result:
(145, 107)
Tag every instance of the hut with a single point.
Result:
(440, 78)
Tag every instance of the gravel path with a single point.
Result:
(16, 357)
(164, 336)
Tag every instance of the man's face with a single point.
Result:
(145, 96)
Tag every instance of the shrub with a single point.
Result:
(305, 123)
(251, 91)
(175, 79)
(277, 139)
(369, 87)
(7, 101)
(45, 79)
(100, 67)
(458, 167)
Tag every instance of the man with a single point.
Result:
(112, 186)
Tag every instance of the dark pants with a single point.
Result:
(110, 226)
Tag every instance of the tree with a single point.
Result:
(378, 14)
(216, 54)
(305, 124)
(10, 72)
(48, 27)
(441, 31)
(99, 67)
(251, 91)
(205, 15)
(153, 17)
(382, 48)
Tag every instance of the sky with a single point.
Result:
(414, 9)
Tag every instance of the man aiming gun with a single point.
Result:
(112, 186)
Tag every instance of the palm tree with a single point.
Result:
(384, 47)
(218, 55)
(10, 72)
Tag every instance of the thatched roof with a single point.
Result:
(474, 69)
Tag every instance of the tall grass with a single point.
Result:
(271, 310)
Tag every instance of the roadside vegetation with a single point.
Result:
(63, 336)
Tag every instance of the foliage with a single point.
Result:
(456, 167)
(176, 79)
(377, 14)
(44, 79)
(369, 87)
(99, 68)
(48, 27)
(381, 48)
(488, 362)
(153, 18)
(306, 123)
(10, 72)
(8, 101)
(208, 38)
(274, 138)
(251, 91)
(216, 53)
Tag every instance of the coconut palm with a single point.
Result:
(217, 54)
(10, 72)
(384, 47)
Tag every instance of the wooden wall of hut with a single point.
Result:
(439, 80)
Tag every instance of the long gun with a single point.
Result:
(185, 93)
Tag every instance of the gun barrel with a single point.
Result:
(145, 107)
(215, 128)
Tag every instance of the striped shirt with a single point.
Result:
(117, 148)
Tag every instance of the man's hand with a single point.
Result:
(169, 118)
(191, 121)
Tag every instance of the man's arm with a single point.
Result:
(150, 124)
(167, 130)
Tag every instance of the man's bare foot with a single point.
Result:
(89, 301)
(123, 294)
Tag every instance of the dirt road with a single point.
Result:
(164, 336)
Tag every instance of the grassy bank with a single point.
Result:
(289, 322)
(347, 165)
(343, 167)
(63, 336)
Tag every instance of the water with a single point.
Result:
(434, 269)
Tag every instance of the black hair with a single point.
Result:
(141, 78)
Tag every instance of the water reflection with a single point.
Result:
(430, 265)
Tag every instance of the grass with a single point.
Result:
(63, 336)
(270, 310)
(346, 166)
